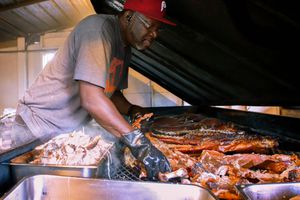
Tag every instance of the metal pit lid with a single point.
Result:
(225, 52)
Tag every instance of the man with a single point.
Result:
(85, 78)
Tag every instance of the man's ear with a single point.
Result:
(128, 15)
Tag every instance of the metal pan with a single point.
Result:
(6, 180)
(62, 187)
(272, 191)
(12, 153)
(21, 167)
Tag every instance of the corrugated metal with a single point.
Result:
(23, 18)
(226, 52)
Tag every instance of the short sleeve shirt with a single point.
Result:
(94, 52)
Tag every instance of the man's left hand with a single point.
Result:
(136, 111)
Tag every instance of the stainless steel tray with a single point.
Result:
(12, 153)
(21, 167)
(5, 175)
(272, 191)
(61, 187)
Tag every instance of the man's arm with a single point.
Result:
(126, 108)
(102, 109)
(121, 102)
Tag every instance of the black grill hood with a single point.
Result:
(225, 52)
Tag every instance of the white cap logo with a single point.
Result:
(163, 6)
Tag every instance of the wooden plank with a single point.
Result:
(55, 13)
(11, 27)
(43, 16)
(27, 15)
(17, 21)
(81, 7)
(6, 35)
(69, 10)
(4, 3)
(20, 4)
(8, 43)
(89, 6)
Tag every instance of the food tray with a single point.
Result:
(62, 187)
(21, 167)
(272, 191)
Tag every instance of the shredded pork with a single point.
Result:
(75, 148)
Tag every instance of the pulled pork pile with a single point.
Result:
(75, 148)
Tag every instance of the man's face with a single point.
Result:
(142, 31)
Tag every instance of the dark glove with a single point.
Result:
(135, 112)
(142, 149)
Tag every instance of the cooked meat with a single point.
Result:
(217, 171)
(248, 161)
(191, 133)
(76, 148)
(177, 159)
(175, 123)
(295, 198)
(179, 173)
(137, 122)
(222, 142)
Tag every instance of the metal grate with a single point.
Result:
(125, 173)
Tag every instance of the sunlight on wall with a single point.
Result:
(144, 92)
(47, 57)
(273, 110)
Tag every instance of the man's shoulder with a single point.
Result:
(97, 23)
(97, 19)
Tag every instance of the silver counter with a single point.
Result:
(272, 191)
(48, 187)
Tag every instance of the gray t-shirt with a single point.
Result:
(94, 52)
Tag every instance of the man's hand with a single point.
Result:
(142, 149)
(136, 111)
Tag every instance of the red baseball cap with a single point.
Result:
(154, 9)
